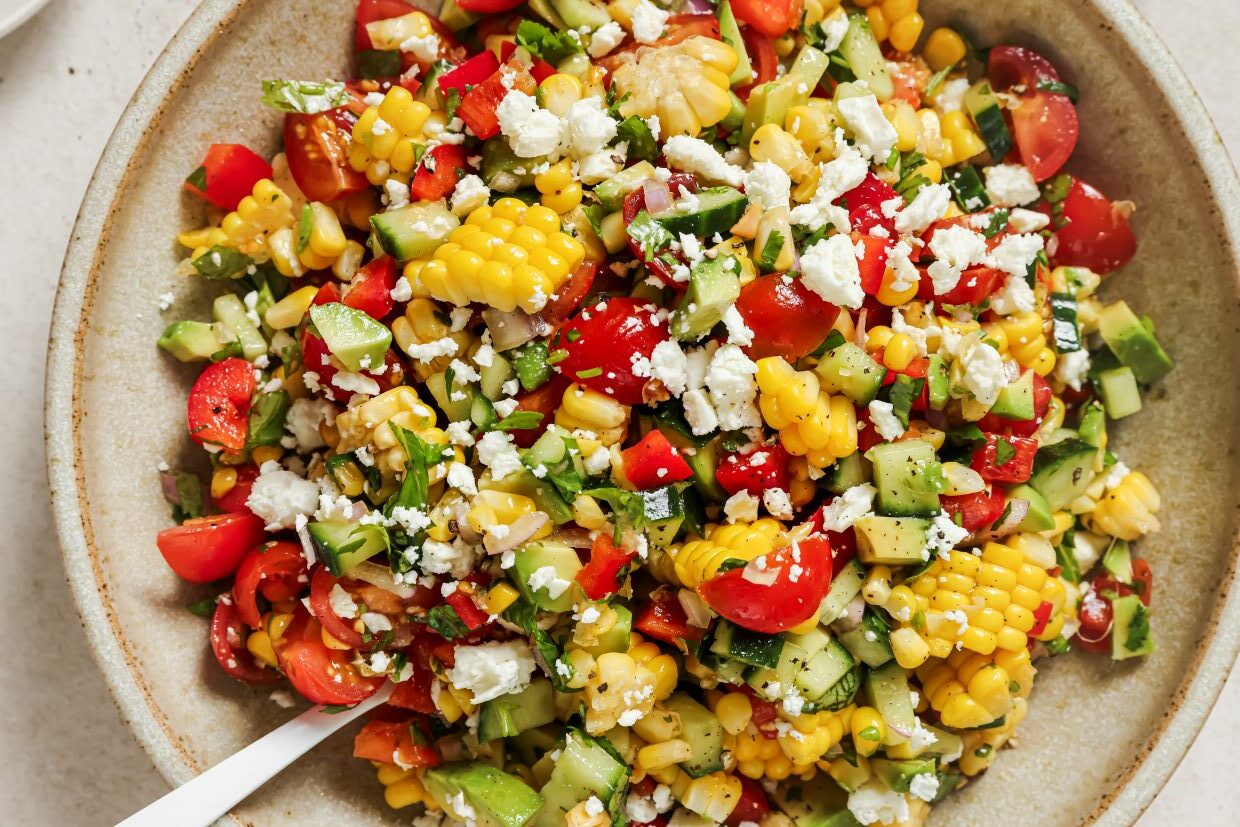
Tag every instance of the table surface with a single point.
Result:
(69, 758)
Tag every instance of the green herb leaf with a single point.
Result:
(531, 366)
(936, 80)
(335, 709)
(444, 620)
(735, 441)
(628, 508)
(267, 419)
(519, 421)
(228, 351)
(834, 339)
(304, 227)
(377, 63)
(1004, 451)
(222, 263)
(203, 608)
(642, 145)
(421, 457)
(543, 42)
(524, 614)
(189, 503)
(198, 179)
(1058, 646)
(1065, 557)
(870, 733)
(452, 102)
(1138, 629)
(651, 236)
(730, 564)
(966, 434)
(770, 251)
(997, 224)
(304, 97)
(904, 392)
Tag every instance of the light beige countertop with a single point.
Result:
(64, 79)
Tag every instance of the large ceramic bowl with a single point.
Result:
(1101, 738)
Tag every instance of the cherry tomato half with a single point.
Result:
(604, 339)
(770, 17)
(1095, 233)
(321, 585)
(228, 635)
(801, 579)
(317, 148)
(276, 570)
(218, 410)
(786, 317)
(206, 549)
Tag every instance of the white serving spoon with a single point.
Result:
(203, 800)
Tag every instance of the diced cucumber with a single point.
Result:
(810, 673)
(1130, 632)
(983, 106)
(455, 409)
(869, 642)
(1117, 561)
(584, 769)
(494, 376)
(561, 559)
(455, 17)
(546, 11)
(714, 286)
(770, 102)
(860, 48)
(888, 692)
(967, 187)
(893, 541)
(664, 511)
(823, 671)
(739, 643)
(730, 671)
(353, 337)
(532, 744)
(846, 473)
(899, 775)
(845, 586)
(814, 803)
(510, 715)
(494, 797)
(232, 318)
(579, 13)
(701, 728)
(842, 692)
(1015, 401)
(716, 210)
(730, 33)
(342, 545)
(416, 230)
(1040, 517)
(1092, 427)
(611, 193)
(191, 341)
(1132, 341)
(701, 454)
(849, 370)
(1119, 392)
(907, 476)
(1062, 472)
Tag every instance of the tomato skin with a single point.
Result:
(218, 410)
(385, 741)
(368, 11)
(864, 203)
(760, 469)
(600, 576)
(277, 570)
(234, 500)
(489, 6)
(665, 619)
(873, 264)
(752, 806)
(370, 290)
(993, 423)
(563, 302)
(321, 585)
(634, 204)
(228, 645)
(317, 148)
(608, 335)
(654, 462)
(1009, 66)
(1017, 469)
(312, 668)
(977, 511)
(478, 106)
(770, 17)
(437, 179)
(680, 27)
(415, 693)
(1096, 616)
(206, 549)
(787, 318)
(786, 602)
(470, 73)
(1096, 234)
(975, 286)
(231, 171)
(1046, 129)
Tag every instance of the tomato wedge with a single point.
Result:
(276, 570)
(654, 462)
(786, 317)
(325, 676)
(415, 692)
(1096, 232)
(228, 173)
(799, 578)
(321, 585)
(234, 500)
(976, 510)
(218, 410)
(1046, 129)
(228, 645)
(564, 301)
(770, 17)
(370, 291)
(394, 741)
(206, 549)
(317, 148)
(602, 342)
(764, 467)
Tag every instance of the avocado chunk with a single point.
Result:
(730, 33)
(815, 803)
(869, 642)
(770, 102)
(898, 775)
(892, 541)
(908, 478)
(503, 170)
(586, 768)
(191, 341)
(358, 341)
(1015, 401)
(1040, 516)
(543, 493)
(888, 692)
(1119, 392)
(1092, 427)
(1117, 561)
(495, 798)
(713, 210)
(1132, 341)
(714, 286)
(532, 563)
(510, 715)
(611, 193)
(414, 231)
(1130, 633)
(1062, 472)
(701, 728)
(342, 545)
(455, 17)
(664, 510)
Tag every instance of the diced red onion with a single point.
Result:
(513, 329)
(657, 195)
(696, 611)
(573, 537)
(859, 333)
(381, 577)
(168, 482)
(1017, 510)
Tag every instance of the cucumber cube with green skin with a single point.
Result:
(1133, 343)
(892, 541)
(1119, 392)
(849, 370)
(888, 692)
(584, 769)
(1093, 424)
(701, 728)
(541, 569)
(846, 473)
(1062, 471)
(503, 170)
(845, 586)
(664, 511)
(905, 476)
(770, 102)
(936, 378)
(715, 210)
(353, 337)
(1117, 561)
(611, 193)
(714, 286)
(860, 48)
(414, 231)
(579, 13)
(496, 798)
(869, 642)
(983, 107)
(234, 321)
(191, 341)
(1130, 630)
(510, 715)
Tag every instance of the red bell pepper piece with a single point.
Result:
(751, 807)
(370, 291)
(541, 70)
(470, 73)
(227, 174)
(760, 469)
(467, 610)
(440, 170)
(478, 106)
(976, 510)
(391, 741)
(654, 462)
(664, 619)
(600, 577)
(1017, 468)
(1041, 616)
(415, 693)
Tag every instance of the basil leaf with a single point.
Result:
(198, 179)
(222, 263)
(267, 419)
(1004, 451)
(642, 145)
(550, 45)
(444, 620)
(304, 97)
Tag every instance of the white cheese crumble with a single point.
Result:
(605, 38)
(303, 420)
(1072, 368)
(492, 669)
(696, 156)
(874, 134)
(741, 507)
(924, 786)
(768, 185)
(848, 507)
(495, 451)
(356, 383)
(738, 332)
(279, 497)
(699, 413)
(943, 536)
(830, 269)
(1010, 185)
(928, 206)
(885, 422)
(984, 373)
(461, 477)
(587, 127)
(648, 21)
(955, 249)
(733, 387)
(470, 194)
(531, 132)
(778, 503)
(1028, 221)
(874, 803)
(670, 366)
(547, 578)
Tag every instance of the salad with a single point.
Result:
(698, 415)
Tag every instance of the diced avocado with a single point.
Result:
(983, 107)
(1092, 427)
(908, 478)
(455, 17)
(1132, 340)
(353, 337)
(815, 803)
(714, 286)
(701, 728)
(532, 744)
(1117, 561)
(898, 775)
(739, 643)
(1040, 516)
(845, 586)
(1062, 472)
(894, 541)
(716, 210)
(191, 341)
(455, 409)
(1119, 392)
(510, 715)
(578, 13)
(342, 545)
(496, 798)
(1015, 401)
(849, 370)
(615, 639)
(730, 33)
(860, 48)
(503, 170)
(416, 230)
(869, 642)
(936, 379)
(1130, 633)
(847, 472)
(237, 326)
(585, 768)
(611, 193)
(888, 692)
(664, 511)
(562, 559)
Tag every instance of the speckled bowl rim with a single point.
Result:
(1130, 795)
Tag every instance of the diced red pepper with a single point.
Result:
(370, 291)
(228, 173)
(415, 692)
(329, 293)
(467, 610)
(1017, 468)
(1041, 616)
(470, 73)
(664, 619)
(600, 577)
(976, 510)
(394, 742)
(800, 577)
(440, 170)
(864, 204)
(654, 462)
(873, 263)
(478, 106)
(760, 469)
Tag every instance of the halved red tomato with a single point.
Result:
(234, 500)
(976, 510)
(228, 635)
(321, 585)
(370, 290)
(788, 591)
(415, 692)
(218, 411)
(276, 570)
(1096, 232)
(602, 342)
(206, 549)
(317, 148)
(1046, 129)
(564, 301)
(786, 317)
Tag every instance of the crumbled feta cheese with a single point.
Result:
(833, 29)
(847, 508)
(402, 291)
(922, 738)
(648, 21)
(303, 420)
(639, 809)
(741, 507)
(341, 602)
(356, 383)
(459, 433)
(599, 462)
(984, 373)
(924, 786)
(376, 623)
(943, 535)
(605, 38)
(1015, 254)
(698, 361)
(505, 407)
(1014, 297)
(696, 156)
(793, 702)
(412, 520)
(950, 97)
(1072, 368)
(493, 669)
(470, 194)
(738, 332)
(587, 127)
(432, 350)
(670, 366)
(778, 503)
(425, 49)
(547, 578)
(768, 185)
(1028, 221)
(461, 477)
(733, 387)
(1010, 185)
(495, 451)
(699, 413)
(278, 497)
(836, 177)
(283, 699)
(885, 421)
(830, 269)
(874, 134)
(463, 373)
(928, 206)
(955, 249)
(531, 132)
(456, 558)
(874, 803)
(601, 165)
